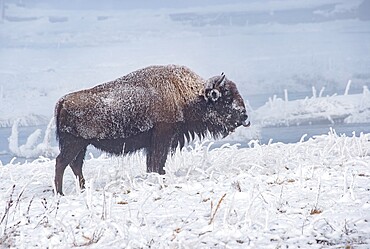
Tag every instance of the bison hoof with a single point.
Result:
(59, 193)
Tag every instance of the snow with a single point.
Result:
(314, 193)
(347, 108)
(308, 194)
(33, 148)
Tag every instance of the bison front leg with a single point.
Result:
(159, 148)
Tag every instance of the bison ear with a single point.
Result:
(210, 94)
(212, 88)
(213, 95)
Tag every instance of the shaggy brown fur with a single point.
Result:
(154, 109)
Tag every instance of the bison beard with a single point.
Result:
(154, 109)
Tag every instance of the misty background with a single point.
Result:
(264, 46)
(282, 48)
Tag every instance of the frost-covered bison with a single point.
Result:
(155, 109)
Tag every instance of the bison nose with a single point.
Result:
(244, 116)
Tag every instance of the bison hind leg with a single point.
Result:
(70, 148)
(76, 166)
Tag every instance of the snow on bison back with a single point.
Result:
(154, 109)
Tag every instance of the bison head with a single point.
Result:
(225, 107)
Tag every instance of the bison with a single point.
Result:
(154, 109)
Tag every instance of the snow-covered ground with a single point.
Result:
(310, 194)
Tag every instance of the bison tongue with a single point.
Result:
(245, 124)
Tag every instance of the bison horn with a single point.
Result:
(220, 81)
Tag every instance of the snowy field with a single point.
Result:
(314, 193)
(310, 194)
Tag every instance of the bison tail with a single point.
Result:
(58, 108)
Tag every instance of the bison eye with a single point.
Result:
(227, 93)
(227, 96)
